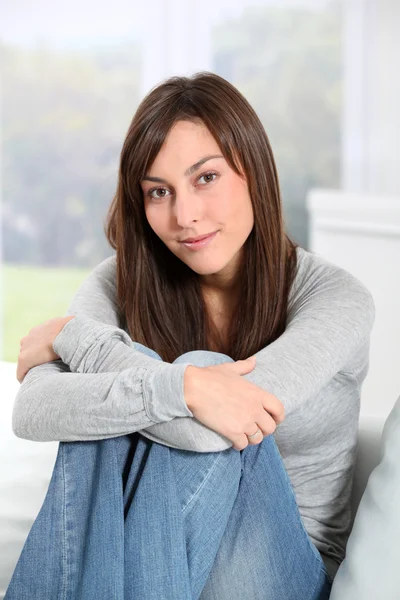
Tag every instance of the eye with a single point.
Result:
(159, 189)
(208, 177)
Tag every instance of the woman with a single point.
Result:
(244, 513)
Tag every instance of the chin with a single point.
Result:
(208, 268)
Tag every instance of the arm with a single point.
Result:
(328, 327)
(92, 347)
(330, 318)
(55, 404)
(323, 295)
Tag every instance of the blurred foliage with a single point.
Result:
(32, 295)
(65, 116)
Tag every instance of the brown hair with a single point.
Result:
(159, 296)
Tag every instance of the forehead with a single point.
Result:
(186, 141)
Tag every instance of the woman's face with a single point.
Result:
(190, 191)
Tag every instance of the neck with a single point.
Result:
(220, 300)
(222, 283)
(219, 288)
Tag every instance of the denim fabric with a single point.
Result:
(129, 519)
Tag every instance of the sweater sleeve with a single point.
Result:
(330, 318)
(328, 327)
(55, 404)
(88, 346)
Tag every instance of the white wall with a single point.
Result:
(361, 233)
(358, 227)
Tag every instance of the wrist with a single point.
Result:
(64, 321)
(58, 325)
(191, 375)
(74, 339)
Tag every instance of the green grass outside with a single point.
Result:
(31, 295)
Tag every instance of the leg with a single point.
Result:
(123, 519)
(74, 550)
(95, 536)
(176, 515)
(265, 551)
(170, 548)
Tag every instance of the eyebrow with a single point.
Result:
(189, 170)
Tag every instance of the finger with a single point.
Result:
(241, 367)
(20, 374)
(257, 439)
(259, 429)
(266, 423)
(240, 442)
(22, 367)
(274, 407)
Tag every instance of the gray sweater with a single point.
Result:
(102, 387)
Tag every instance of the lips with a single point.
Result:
(197, 239)
(200, 242)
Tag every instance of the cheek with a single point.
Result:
(155, 220)
(236, 197)
(239, 206)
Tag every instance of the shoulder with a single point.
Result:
(317, 274)
(311, 267)
(332, 302)
(105, 271)
(96, 296)
(102, 278)
(328, 289)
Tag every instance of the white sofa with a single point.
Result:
(26, 467)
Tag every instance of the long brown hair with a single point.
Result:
(159, 297)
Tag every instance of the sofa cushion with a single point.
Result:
(370, 568)
(368, 454)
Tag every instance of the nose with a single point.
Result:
(187, 208)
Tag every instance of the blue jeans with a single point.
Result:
(129, 519)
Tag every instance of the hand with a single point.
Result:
(37, 347)
(227, 403)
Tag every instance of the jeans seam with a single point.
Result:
(203, 482)
(64, 531)
(318, 583)
(311, 544)
(312, 597)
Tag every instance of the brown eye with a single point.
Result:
(208, 177)
(161, 191)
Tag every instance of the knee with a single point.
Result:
(198, 358)
(203, 358)
(146, 350)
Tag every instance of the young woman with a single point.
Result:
(209, 375)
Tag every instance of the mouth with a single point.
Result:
(199, 242)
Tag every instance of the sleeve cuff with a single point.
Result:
(163, 392)
(162, 385)
(77, 336)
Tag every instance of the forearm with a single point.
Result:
(54, 404)
(91, 347)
